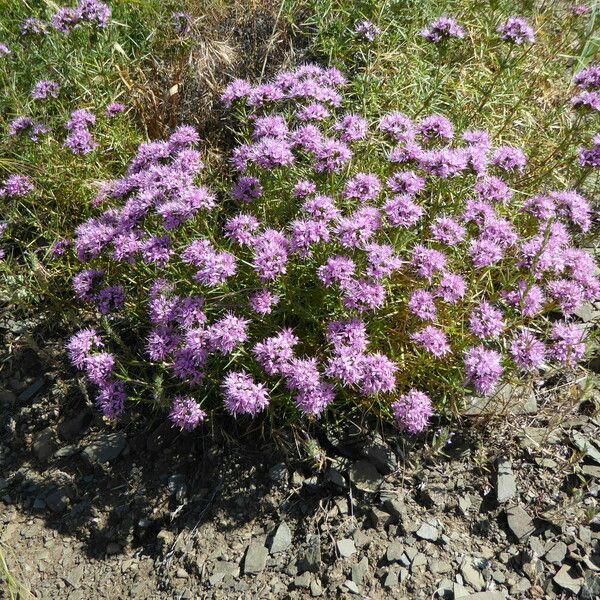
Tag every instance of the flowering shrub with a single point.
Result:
(392, 265)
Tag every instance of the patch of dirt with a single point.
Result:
(505, 508)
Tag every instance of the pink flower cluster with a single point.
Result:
(333, 270)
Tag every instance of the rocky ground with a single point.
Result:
(503, 508)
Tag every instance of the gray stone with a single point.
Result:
(381, 455)
(508, 400)
(256, 558)
(43, 444)
(556, 554)
(334, 477)
(519, 522)
(315, 588)
(105, 447)
(591, 586)
(57, 501)
(487, 596)
(391, 579)
(471, 575)
(351, 586)
(464, 504)
(346, 547)
(397, 510)
(33, 390)
(303, 581)
(69, 429)
(113, 548)
(311, 561)
(537, 547)
(394, 552)
(359, 570)
(585, 445)
(380, 519)
(428, 532)
(282, 539)
(506, 487)
(419, 560)
(591, 471)
(460, 591)
(444, 589)
(278, 473)
(73, 577)
(520, 587)
(365, 476)
(439, 566)
(564, 580)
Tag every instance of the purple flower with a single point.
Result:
(241, 229)
(314, 401)
(161, 342)
(270, 153)
(527, 351)
(382, 261)
(588, 79)
(398, 126)
(302, 374)
(367, 30)
(45, 88)
(114, 109)
(485, 253)
(413, 411)
(510, 159)
(590, 157)
(110, 399)
(99, 367)
(263, 301)
(378, 374)
(486, 322)
(358, 228)
(4, 50)
(313, 112)
(65, 19)
(188, 364)
(33, 26)
(346, 365)
(237, 89)
(16, 186)
(444, 163)
(422, 305)
(407, 182)
(81, 345)
(321, 208)
(216, 268)
(581, 9)
(110, 299)
(403, 211)
(483, 369)
(448, 231)
(452, 288)
(350, 334)
(363, 295)
(528, 298)
(568, 347)
(443, 29)
(306, 233)
(436, 127)
(427, 262)
(493, 189)
(363, 187)
(186, 413)
(157, 249)
(94, 12)
(587, 100)
(331, 156)
(80, 141)
(227, 333)
(304, 188)
(352, 127)
(84, 283)
(433, 339)
(270, 255)
(517, 30)
(575, 207)
(272, 126)
(275, 353)
(337, 269)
